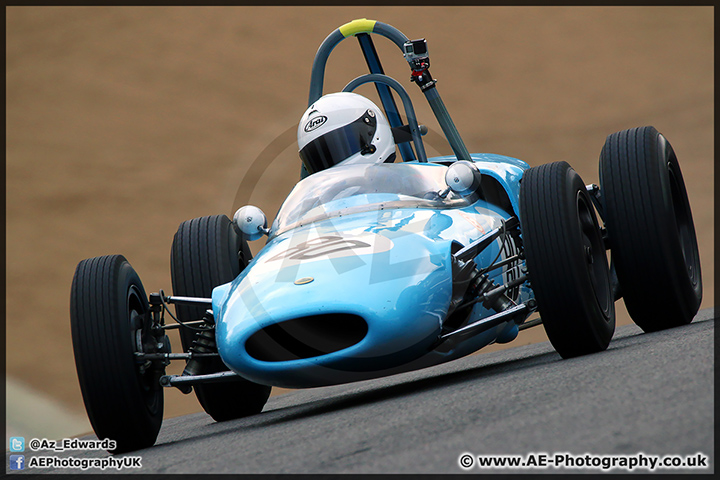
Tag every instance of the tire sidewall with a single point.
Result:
(692, 288)
(603, 331)
(129, 280)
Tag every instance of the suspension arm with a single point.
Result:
(473, 250)
(186, 380)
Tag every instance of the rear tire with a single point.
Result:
(107, 317)
(207, 252)
(650, 229)
(566, 260)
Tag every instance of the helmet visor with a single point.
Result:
(337, 145)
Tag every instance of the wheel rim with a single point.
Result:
(683, 222)
(145, 372)
(594, 255)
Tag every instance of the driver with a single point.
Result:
(344, 128)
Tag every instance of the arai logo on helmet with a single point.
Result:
(314, 123)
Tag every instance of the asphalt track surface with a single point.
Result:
(648, 393)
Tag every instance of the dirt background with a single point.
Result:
(123, 122)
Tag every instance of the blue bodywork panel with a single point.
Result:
(364, 253)
(506, 170)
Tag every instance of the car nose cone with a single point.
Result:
(320, 322)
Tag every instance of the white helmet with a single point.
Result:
(344, 128)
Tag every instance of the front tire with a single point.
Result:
(109, 323)
(566, 260)
(207, 252)
(650, 228)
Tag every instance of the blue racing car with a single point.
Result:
(382, 260)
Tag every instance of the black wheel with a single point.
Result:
(566, 260)
(123, 398)
(207, 252)
(650, 229)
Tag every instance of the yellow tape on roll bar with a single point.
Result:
(360, 25)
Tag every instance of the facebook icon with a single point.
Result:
(17, 462)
